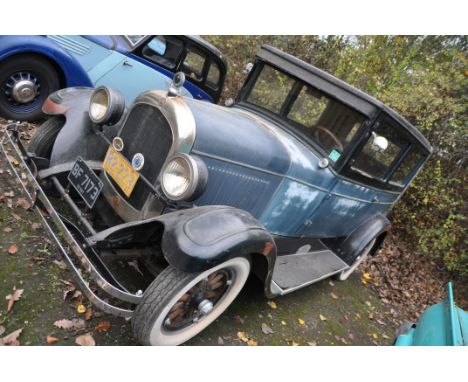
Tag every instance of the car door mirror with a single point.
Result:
(177, 83)
(379, 143)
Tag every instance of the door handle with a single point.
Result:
(126, 63)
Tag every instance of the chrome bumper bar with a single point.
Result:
(16, 156)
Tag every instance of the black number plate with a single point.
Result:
(85, 182)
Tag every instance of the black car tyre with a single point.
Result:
(43, 139)
(25, 83)
(343, 275)
(177, 306)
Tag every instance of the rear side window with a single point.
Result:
(193, 65)
(376, 163)
(408, 166)
(214, 74)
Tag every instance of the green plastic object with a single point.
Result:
(442, 324)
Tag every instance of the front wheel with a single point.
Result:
(25, 83)
(177, 305)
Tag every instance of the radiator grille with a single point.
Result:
(146, 131)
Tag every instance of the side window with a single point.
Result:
(214, 74)
(193, 65)
(372, 162)
(407, 167)
(271, 89)
(163, 50)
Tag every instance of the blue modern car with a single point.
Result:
(32, 67)
(292, 181)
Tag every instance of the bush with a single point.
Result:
(424, 79)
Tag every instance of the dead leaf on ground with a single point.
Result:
(283, 323)
(322, 317)
(103, 326)
(12, 249)
(2, 329)
(333, 296)
(85, 340)
(312, 343)
(81, 308)
(272, 304)
(16, 216)
(11, 339)
(52, 340)
(60, 263)
(7, 229)
(301, 321)
(36, 226)
(266, 329)
(292, 342)
(22, 202)
(244, 338)
(67, 291)
(74, 324)
(89, 314)
(15, 296)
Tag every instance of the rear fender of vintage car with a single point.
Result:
(196, 239)
(70, 70)
(78, 136)
(352, 245)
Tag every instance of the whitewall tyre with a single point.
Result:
(177, 306)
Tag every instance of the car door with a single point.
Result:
(365, 187)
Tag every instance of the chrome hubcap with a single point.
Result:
(24, 91)
(21, 88)
(199, 301)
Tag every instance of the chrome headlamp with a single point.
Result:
(184, 177)
(106, 106)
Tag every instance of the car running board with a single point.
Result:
(298, 270)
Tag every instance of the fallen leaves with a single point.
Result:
(81, 308)
(322, 317)
(11, 339)
(333, 296)
(301, 321)
(22, 202)
(266, 329)
(244, 338)
(60, 263)
(103, 326)
(272, 304)
(85, 340)
(74, 324)
(15, 296)
(52, 340)
(12, 249)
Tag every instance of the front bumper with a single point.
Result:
(77, 259)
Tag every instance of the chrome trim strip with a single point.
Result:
(201, 153)
(65, 234)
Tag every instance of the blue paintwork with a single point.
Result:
(442, 324)
(98, 60)
(73, 72)
(285, 188)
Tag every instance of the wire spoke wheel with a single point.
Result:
(178, 305)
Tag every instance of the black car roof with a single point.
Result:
(339, 89)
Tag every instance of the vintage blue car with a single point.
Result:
(32, 67)
(293, 181)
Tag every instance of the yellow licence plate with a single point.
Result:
(121, 171)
